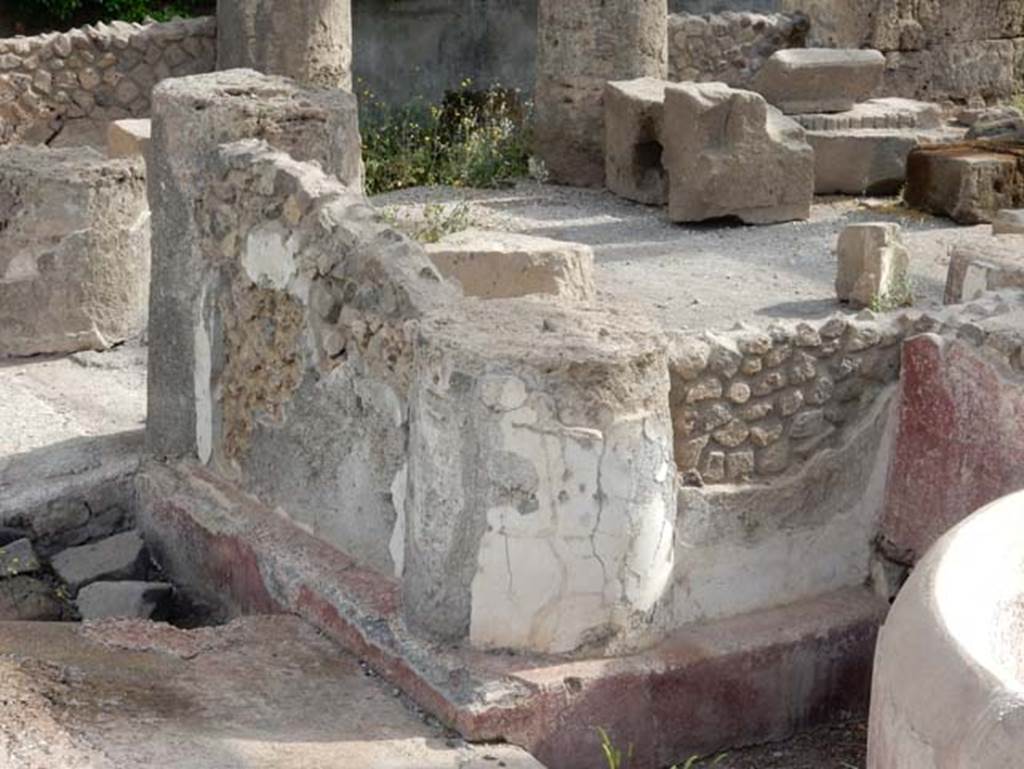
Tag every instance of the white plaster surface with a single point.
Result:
(598, 548)
(269, 256)
(948, 688)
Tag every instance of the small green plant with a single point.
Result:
(612, 755)
(901, 295)
(615, 759)
(472, 138)
(40, 13)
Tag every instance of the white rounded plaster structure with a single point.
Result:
(948, 688)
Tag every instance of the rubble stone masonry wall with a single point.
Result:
(750, 404)
(62, 88)
(729, 47)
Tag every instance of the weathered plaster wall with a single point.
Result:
(307, 365)
(958, 445)
(191, 117)
(62, 88)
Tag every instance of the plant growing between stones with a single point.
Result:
(902, 295)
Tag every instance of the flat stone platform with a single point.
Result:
(259, 693)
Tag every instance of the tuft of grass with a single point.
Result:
(472, 138)
(615, 759)
(902, 295)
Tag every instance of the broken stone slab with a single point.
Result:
(730, 153)
(1008, 222)
(633, 112)
(803, 80)
(74, 254)
(969, 183)
(490, 264)
(18, 557)
(977, 268)
(128, 138)
(122, 556)
(873, 265)
(134, 599)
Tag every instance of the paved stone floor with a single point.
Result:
(260, 693)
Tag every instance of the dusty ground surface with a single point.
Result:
(260, 693)
(46, 400)
(709, 275)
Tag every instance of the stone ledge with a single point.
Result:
(737, 681)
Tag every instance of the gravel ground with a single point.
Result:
(45, 400)
(708, 275)
(840, 745)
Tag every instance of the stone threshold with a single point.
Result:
(723, 684)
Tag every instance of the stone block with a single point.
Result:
(18, 557)
(492, 265)
(128, 138)
(802, 80)
(873, 264)
(969, 183)
(1008, 222)
(633, 111)
(977, 268)
(729, 153)
(74, 250)
(132, 599)
(858, 162)
(122, 556)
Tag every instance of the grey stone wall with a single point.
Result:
(62, 88)
(751, 404)
(729, 47)
(419, 48)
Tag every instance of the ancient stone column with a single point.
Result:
(308, 40)
(582, 44)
